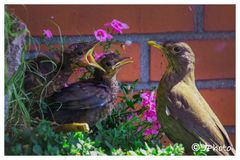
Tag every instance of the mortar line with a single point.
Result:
(198, 18)
(141, 38)
(144, 62)
(230, 129)
(201, 84)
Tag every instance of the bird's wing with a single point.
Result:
(82, 95)
(192, 111)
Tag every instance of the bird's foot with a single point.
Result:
(73, 127)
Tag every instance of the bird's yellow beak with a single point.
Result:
(154, 44)
(122, 62)
(90, 59)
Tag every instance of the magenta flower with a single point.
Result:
(101, 35)
(156, 125)
(139, 128)
(97, 56)
(150, 131)
(148, 99)
(129, 117)
(153, 130)
(150, 115)
(47, 33)
(117, 26)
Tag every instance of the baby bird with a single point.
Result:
(91, 100)
(52, 69)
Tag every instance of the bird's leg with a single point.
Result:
(73, 127)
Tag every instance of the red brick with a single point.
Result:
(74, 19)
(84, 19)
(215, 59)
(166, 18)
(158, 64)
(222, 102)
(131, 72)
(219, 18)
(233, 139)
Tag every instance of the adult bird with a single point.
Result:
(91, 100)
(184, 114)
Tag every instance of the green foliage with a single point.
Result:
(43, 140)
(23, 105)
(79, 143)
(201, 150)
(176, 150)
(119, 131)
(10, 28)
(123, 135)
(14, 92)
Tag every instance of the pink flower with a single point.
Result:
(150, 132)
(148, 99)
(153, 130)
(150, 115)
(101, 35)
(156, 125)
(129, 117)
(97, 56)
(139, 128)
(117, 26)
(47, 33)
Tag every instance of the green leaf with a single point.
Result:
(130, 104)
(37, 149)
(134, 84)
(131, 153)
(144, 152)
(109, 145)
(65, 145)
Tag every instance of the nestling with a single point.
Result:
(90, 100)
(54, 68)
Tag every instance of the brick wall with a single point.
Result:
(209, 29)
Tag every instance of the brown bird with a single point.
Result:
(49, 71)
(184, 114)
(91, 100)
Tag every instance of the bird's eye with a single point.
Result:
(176, 49)
(108, 64)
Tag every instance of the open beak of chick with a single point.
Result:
(90, 59)
(122, 61)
